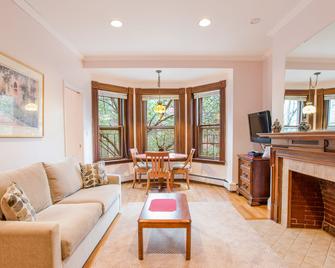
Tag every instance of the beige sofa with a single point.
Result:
(65, 232)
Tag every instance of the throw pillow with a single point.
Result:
(64, 178)
(93, 174)
(16, 206)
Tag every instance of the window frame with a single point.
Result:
(141, 126)
(193, 129)
(302, 93)
(300, 116)
(125, 124)
(322, 108)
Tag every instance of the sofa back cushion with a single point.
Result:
(64, 178)
(33, 181)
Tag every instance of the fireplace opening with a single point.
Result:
(311, 203)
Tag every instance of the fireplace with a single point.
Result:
(303, 179)
(311, 202)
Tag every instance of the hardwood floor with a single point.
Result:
(199, 192)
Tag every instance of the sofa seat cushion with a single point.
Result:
(75, 222)
(33, 181)
(104, 195)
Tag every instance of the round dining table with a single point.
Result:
(172, 156)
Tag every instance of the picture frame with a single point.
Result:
(21, 99)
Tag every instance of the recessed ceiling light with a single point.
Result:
(204, 22)
(255, 20)
(116, 23)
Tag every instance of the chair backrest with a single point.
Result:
(189, 158)
(133, 153)
(158, 165)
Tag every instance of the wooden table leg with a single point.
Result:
(188, 242)
(140, 242)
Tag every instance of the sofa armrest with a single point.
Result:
(114, 179)
(30, 244)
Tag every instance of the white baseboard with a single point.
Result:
(230, 186)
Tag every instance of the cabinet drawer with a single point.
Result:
(245, 173)
(244, 184)
(245, 163)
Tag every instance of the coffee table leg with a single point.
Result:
(140, 242)
(188, 242)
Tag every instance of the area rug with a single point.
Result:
(220, 238)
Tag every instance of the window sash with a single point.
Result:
(201, 128)
(300, 115)
(119, 148)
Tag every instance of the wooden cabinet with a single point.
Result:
(254, 179)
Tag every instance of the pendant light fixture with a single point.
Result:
(309, 108)
(160, 107)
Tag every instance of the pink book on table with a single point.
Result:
(163, 205)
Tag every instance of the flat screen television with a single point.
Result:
(260, 123)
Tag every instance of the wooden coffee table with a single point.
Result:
(179, 218)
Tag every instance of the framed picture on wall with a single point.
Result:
(21, 100)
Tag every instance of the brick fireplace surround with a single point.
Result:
(303, 179)
(312, 203)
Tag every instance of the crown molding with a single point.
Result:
(165, 61)
(288, 17)
(29, 9)
(310, 63)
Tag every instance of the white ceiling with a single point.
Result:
(304, 75)
(321, 46)
(156, 27)
(170, 77)
(300, 78)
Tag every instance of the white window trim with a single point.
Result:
(111, 94)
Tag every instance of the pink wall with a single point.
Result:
(267, 83)
(316, 16)
(24, 39)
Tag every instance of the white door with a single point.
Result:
(73, 123)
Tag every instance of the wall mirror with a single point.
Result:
(309, 101)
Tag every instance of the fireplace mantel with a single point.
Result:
(314, 149)
(301, 135)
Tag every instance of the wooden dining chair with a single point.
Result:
(159, 169)
(140, 167)
(183, 168)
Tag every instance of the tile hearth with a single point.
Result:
(298, 247)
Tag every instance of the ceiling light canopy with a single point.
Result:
(116, 23)
(255, 20)
(205, 22)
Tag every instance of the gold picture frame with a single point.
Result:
(21, 99)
